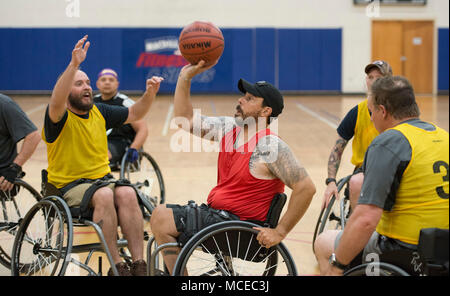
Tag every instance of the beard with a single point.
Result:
(242, 118)
(76, 101)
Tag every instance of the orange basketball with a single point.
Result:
(201, 41)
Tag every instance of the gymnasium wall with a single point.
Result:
(300, 45)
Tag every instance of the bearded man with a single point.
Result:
(77, 151)
(254, 165)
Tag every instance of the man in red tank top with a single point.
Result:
(254, 164)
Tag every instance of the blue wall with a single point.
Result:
(293, 59)
(443, 52)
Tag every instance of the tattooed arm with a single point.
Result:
(287, 168)
(334, 162)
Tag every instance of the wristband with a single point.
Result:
(329, 180)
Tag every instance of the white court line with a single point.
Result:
(316, 115)
(167, 122)
(29, 112)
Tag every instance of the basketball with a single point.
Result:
(201, 41)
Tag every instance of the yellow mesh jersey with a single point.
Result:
(422, 197)
(80, 151)
(365, 132)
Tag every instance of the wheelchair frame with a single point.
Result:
(64, 214)
(327, 214)
(7, 224)
(224, 254)
(430, 258)
(126, 166)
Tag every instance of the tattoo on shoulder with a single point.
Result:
(280, 160)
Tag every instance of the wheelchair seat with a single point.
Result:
(434, 246)
(430, 258)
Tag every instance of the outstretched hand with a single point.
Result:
(152, 85)
(189, 71)
(80, 51)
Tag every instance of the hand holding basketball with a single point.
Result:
(189, 71)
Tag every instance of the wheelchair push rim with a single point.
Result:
(146, 175)
(14, 205)
(233, 258)
(44, 240)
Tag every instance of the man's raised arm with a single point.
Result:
(61, 91)
(182, 99)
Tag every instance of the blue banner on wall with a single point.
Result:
(292, 59)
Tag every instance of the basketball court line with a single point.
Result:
(316, 115)
(29, 112)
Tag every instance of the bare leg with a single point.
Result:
(105, 216)
(130, 220)
(324, 247)
(355, 184)
(165, 231)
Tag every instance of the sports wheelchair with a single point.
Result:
(229, 248)
(335, 215)
(44, 240)
(14, 205)
(144, 173)
(431, 258)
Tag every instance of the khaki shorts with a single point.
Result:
(74, 196)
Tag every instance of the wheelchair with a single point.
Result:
(14, 205)
(145, 174)
(336, 214)
(430, 259)
(229, 248)
(43, 245)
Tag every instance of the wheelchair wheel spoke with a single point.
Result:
(217, 246)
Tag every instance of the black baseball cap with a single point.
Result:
(271, 95)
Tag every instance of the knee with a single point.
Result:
(159, 216)
(125, 196)
(356, 182)
(324, 244)
(103, 198)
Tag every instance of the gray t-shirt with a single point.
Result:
(14, 126)
(384, 164)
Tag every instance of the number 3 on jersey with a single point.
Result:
(437, 169)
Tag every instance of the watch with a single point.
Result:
(329, 180)
(333, 261)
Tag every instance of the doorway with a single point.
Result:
(408, 47)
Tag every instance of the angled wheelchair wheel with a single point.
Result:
(43, 243)
(335, 215)
(376, 269)
(14, 205)
(146, 176)
(231, 249)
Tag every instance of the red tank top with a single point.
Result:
(237, 191)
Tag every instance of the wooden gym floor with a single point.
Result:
(308, 124)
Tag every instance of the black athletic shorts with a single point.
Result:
(190, 219)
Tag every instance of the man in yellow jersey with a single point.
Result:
(77, 152)
(357, 125)
(406, 184)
